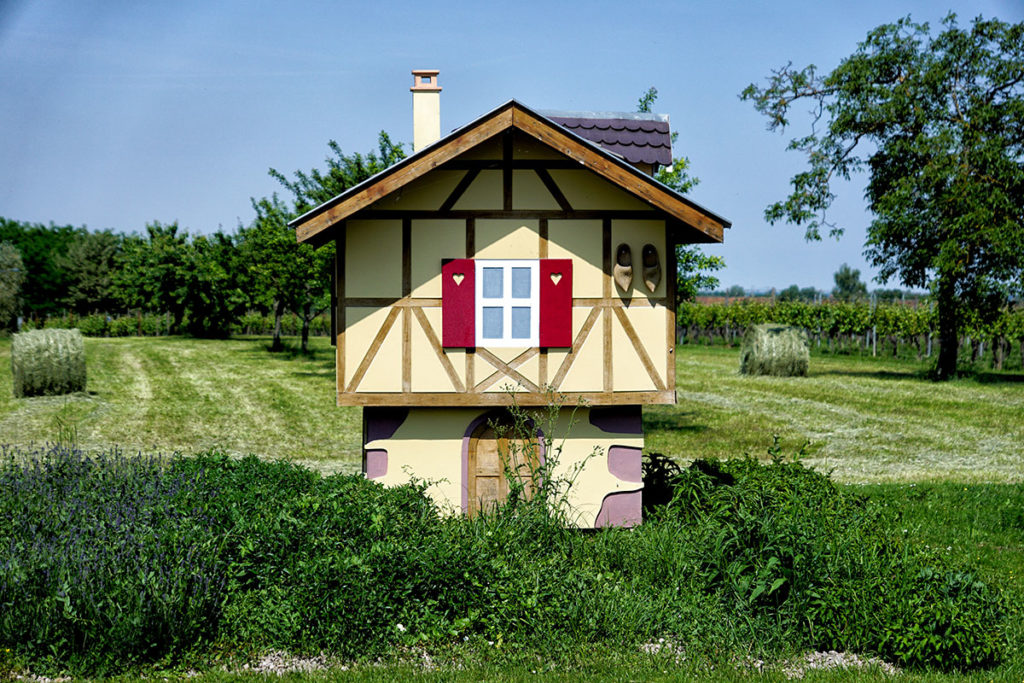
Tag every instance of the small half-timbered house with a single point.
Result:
(521, 254)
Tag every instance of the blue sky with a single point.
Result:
(114, 113)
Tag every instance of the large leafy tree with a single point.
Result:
(217, 285)
(936, 122)
(694, 268)
(295, 276)
(849, 286)
(88, 266)
(154, 272)
(273, 259)
(46, 283)
(12, 275)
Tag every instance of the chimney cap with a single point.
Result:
(425, 80)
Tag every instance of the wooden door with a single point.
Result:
(493, 457)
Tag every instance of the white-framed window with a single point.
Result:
(507, 302)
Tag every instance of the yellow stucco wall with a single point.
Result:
(579, 240)
(429, 446)
(483, 193)
(426, 193)
(373, 269)
(428, 373)
(528, 192)
(526, 147)
(585, 190)
(587, 370)
(373, 258)
(490, 150)
(361, 327)
(432, 241)
(507, 239)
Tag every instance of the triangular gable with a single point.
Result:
(315, 226)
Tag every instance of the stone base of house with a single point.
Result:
(592, 456)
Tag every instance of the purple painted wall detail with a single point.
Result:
(620, 509)
(382, 423)
(625, 463)
(376, 463)
(618, 419)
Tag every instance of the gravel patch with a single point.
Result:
(795, 668)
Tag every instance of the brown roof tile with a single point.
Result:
(637, 138)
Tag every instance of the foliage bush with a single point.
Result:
(854, 326)
(100, 325)
(111, 562)
(811, 565)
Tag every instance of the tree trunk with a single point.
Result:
(949, 332)
(306, 315)
(276, 345)
(177, 316)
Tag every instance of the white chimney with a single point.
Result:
(426, 108)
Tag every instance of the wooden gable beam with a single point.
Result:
(312, 229)
(315, 229)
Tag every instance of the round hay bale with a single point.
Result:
(48, 362)
(777, 350)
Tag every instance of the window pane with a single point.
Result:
(520, 322)
(492, 322)
(521, 283)
(492, 283)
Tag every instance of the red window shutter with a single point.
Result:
(458, 318)
(555, 302)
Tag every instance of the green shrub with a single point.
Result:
(103, 566)
(807, 564)
(112, 562)
(124, 326)
(778, 350)
(48, 362)
(93, 325)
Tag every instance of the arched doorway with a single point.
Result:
(495, 457)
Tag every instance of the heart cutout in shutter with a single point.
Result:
(556, 277)
(458, 277)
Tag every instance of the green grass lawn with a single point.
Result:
(190, 395)
(868, 420)
(948, 459)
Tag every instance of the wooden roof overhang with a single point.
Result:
(690, 222)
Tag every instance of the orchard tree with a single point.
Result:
(88, 266)
(12, 276)
(153, 272)
(796, 293)
(217, 285)
(936, 121)
(271, 253)
(694, 268)
(312, 189)
(46, 284)
(849, 286)
(294, 276)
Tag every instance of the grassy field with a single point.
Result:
(191, 395)
(867, 420)
(947, 459)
